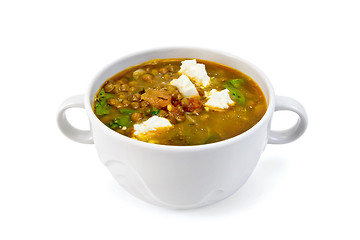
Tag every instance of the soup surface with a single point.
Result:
(180, 102)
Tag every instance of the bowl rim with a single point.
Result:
(190, 148)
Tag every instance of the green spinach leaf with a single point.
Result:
(101, 106)
(155, 111)
(127, 111)
(122, 121)
(235, 93)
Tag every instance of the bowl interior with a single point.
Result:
(223, 58)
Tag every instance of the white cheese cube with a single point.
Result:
(218, 100)
(195, 71)
(152, 124)
(185, 86)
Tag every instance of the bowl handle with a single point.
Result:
(81, 136)
(294, 132)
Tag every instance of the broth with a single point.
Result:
(229, 105)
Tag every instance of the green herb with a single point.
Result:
(113, 125)
(235, 93)
(101, 106)
(127, 111)
(155, 111)
(122, 121)
(236, 82)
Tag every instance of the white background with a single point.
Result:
(54, 188)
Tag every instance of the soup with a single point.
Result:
(180, 102)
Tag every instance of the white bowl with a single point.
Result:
(182, 177)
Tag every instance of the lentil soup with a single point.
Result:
(180, 102)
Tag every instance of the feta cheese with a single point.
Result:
(185, 86)
(152, 124)
(218, 100)
(195, 71)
